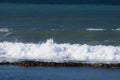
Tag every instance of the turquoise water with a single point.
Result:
(57, 73)
(65, 23)
(36, 14)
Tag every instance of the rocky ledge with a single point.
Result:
(64, 64)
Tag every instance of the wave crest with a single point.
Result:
(4, 30)
(52, 52)
(118, 29)
(94, 29)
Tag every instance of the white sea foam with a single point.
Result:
(4, 30)
(116, 29)
(95, 29)
(50, 51)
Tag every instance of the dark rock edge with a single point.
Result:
(64, 64)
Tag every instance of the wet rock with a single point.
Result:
(64, 64)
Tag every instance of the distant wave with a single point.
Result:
(4, 30)
(52, 52)
(116, 29)
(95, 29)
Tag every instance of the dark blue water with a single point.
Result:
(57, 73)
(113, 2)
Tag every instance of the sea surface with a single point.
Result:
(59, 33)
(57, 73)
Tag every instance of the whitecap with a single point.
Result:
(118, 29)
(54, 52)
(95, 29)
(4, 30)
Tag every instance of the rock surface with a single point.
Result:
(64, 64)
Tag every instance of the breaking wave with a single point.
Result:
(53, 52)
(94, 29)
(118, 29)
(4, 30)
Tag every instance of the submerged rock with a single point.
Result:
(64, 64)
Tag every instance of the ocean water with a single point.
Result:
(59, 33)
(57, 73)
